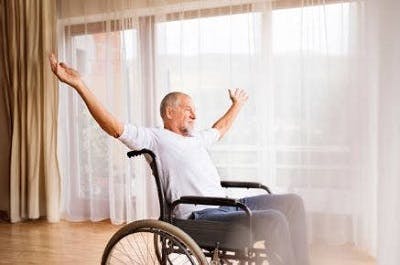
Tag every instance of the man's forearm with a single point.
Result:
(106, 120)
(64, 73)
(226, 121)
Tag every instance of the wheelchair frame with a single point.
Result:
(219, 252)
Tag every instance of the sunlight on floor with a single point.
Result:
(339, 255)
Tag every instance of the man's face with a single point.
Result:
(184, 114)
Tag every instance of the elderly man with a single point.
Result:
(186, 167)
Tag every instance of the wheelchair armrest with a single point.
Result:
(219, 201)
(243, 184)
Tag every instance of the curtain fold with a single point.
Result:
(32, 99)
(385, 44)
(98, 180)
(5, 129)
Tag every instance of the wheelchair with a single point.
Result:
(172, 241)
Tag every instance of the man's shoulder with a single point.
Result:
(141, 127)
(204, 132)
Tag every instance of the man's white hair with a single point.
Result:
(170, 100)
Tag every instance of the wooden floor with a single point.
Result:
(82, 243)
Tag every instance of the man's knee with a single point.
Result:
(271, 226)
(296, 198)
(273, 221)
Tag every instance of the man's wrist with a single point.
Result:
(79, 86)
(237, 104)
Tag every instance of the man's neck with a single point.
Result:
(176, 130)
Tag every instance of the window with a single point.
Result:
(205, 56)
(293, 134)
(107, 62)
(313, 96)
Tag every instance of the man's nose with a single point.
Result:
(193, 115)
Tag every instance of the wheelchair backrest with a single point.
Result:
(151, 159)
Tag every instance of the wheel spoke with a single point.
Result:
(150, 241)
(129, 256)
(147, 246)
(124, 253)
(140, 250)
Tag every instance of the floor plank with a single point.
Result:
(62, 243)
(39, 242)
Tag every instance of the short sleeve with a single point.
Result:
(136, 138)
(209, 136)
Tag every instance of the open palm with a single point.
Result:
(63, 72)
(238, 95)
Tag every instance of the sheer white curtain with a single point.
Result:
(98, 180)
(307, 126)
(321, 118)
(311, 125)
(384, 60)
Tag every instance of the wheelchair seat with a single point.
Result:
(211, 234)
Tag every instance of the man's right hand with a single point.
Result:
(64, 73)
(106, 120)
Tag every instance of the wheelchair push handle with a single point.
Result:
(141, 152)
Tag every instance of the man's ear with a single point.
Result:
(169, 113)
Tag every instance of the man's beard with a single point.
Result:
(187, 130)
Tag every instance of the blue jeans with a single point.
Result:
(279, 220)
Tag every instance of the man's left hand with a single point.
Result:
(238, 96)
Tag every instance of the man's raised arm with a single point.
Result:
(106, 120)
(238, 97)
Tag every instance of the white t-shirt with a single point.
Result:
(185, 166)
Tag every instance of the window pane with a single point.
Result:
(104, 60)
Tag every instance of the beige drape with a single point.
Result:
(31, 98)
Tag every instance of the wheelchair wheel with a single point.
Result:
(152, 242)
